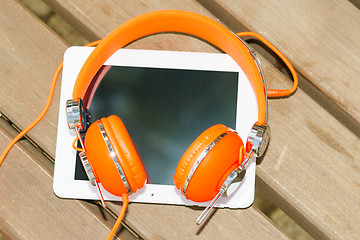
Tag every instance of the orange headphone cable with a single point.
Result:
(44, 111)
(275, 92)
(271, 92)
(74, 145)
(125, 200)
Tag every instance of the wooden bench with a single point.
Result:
(310, 169)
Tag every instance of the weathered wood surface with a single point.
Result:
(26, 71)
(311, 168)
(30, 54)
(321, 38)
(29, 209)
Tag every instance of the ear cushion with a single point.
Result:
(101, 162)
(192, 153)
(125, 152)
(218, 162)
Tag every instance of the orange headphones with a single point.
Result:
(213, 160)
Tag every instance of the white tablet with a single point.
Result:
(165, 99)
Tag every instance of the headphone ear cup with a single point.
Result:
(124, 148)
(102, 162)
(215, 165)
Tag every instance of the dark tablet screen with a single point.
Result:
(164, 110)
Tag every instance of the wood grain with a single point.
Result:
(34, 61)
(320, 38)
(25, 65)
(30, 210)
(178, 222)
(310, 168)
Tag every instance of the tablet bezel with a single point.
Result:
(246, 115)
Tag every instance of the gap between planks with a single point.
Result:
(305, 84)
(47, 164)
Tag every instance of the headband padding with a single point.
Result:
(125, 151)
(172, 21)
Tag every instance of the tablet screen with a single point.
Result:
(166, 100)
(164, 110)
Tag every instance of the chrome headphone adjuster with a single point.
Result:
(76, 115)
(259, 137)
(88, 169)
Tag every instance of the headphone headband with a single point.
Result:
(173, 21)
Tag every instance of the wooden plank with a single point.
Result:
(86, 20)
(25, 64)
(178, 222)
(320, 38)
(30, 210)
(240, 16)
(310, 168)
(17, 109)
